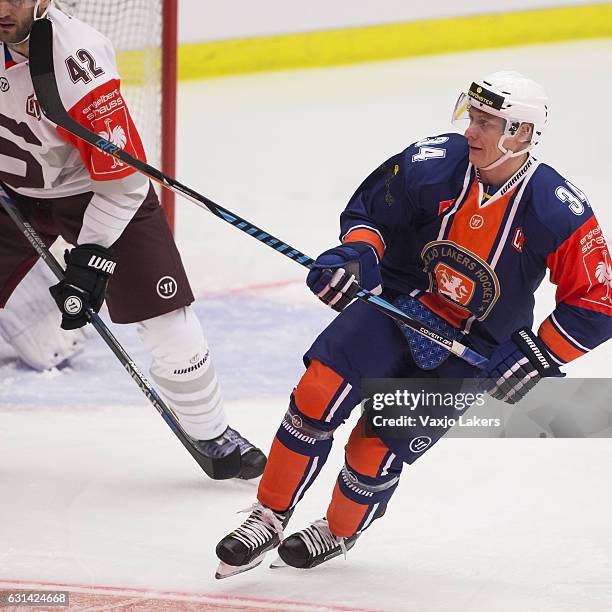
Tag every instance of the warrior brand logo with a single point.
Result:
(33, 107)
(476, 222)
(484, 96)
(196, 365)
(461, 277)
(351, 481)
(418, 445)
(166, 287)
(516, 178)
(296, 434)
(534, 348)
(104, 265)
(73, 305)
(453, 284)
(4, 84)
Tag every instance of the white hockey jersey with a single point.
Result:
(41, 160)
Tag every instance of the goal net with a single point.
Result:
(143, 33)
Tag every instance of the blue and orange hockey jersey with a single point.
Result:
(478, 261)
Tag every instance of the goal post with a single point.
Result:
(144, 35)
(168, 107)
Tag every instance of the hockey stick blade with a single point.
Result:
(47, 93)
(230, 466)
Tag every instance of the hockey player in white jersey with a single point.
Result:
(123, 252)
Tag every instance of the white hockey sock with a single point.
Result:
(182, 369)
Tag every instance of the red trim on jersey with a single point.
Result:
(105, 112)
(581, 267)
(557, 344)
(362, 234)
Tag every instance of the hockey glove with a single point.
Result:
(88, 268)
(336, 274)
(517, 365)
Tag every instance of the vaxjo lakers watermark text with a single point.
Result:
(427, 409)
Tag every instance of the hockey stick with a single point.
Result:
(47, 93)
(217, 471)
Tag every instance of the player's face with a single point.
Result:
(483, 135)
(16, 17)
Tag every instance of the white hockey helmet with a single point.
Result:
(511, 96)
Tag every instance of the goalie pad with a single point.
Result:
(182, 368)
(30, 323)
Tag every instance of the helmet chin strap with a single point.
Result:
(36, 18)
(506, 153)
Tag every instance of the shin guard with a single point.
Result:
(183, 370)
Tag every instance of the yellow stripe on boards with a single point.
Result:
(389, 41)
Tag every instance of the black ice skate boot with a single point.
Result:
(252, 459)
(312, 546)
(245, 547)
(230, 455)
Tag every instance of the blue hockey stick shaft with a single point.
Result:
(47, 93)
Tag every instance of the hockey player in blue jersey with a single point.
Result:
(458, 231)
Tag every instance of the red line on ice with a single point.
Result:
(228, 602)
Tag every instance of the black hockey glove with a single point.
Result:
(88, 268)
(517, 365)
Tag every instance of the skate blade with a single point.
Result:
(278, 563)
(226, 571)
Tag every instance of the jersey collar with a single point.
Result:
(511, 183)
(11, 58)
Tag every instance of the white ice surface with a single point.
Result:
(94, 490)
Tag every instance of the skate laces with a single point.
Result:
(319, 539)
(259, 526)
(233, 436)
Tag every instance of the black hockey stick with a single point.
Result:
(47, 93)
(227, 469)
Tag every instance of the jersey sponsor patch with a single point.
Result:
(597, 267)
(104, 112)
(111, 128)
(461, 277)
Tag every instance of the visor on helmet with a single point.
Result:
(461, 114)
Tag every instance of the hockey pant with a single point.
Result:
(359, 343)
(182, 368)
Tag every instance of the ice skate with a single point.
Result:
(252, 459)
(245, 547)
(312, 546)
(230, 455)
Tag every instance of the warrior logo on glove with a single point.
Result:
(88, 269)
(73, 305)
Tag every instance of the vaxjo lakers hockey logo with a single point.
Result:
(461, 277)
(454, 285)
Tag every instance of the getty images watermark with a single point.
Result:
(422, 408)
